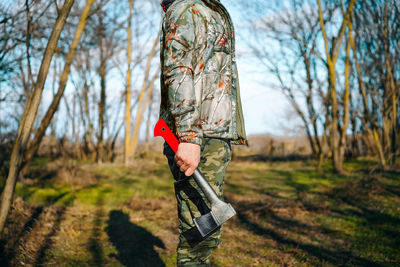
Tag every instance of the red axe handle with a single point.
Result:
(161, 129)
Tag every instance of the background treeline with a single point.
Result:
(80, 76)
(71, 73)
(338, 64)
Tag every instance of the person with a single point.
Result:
(200, 102)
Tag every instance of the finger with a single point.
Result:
(189, 171)
(184, 167)
(178, 159)
(181, 161)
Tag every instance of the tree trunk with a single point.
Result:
(310, 106)
(128, 94)
(149, 111)
(324, 143)
(332, 54)
(89, 147)
(149, 101)
(28, 118)
(343, 133)
(100, 149)
(337, 163)
(34, 145)
(142, 103)
(371, 130)
(355, 152)
(391, 89)
(102, 104)
(394, 121)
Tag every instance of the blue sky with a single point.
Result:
(264, 108)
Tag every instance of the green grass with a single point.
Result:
(287, 214)
(40, 161)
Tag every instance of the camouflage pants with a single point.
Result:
(215, 157)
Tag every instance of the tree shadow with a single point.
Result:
(135, 244)
(7, 251)
(351, 201)
(5, 257)
(335, 256)
(94, 244)
(48, 241)
(7, 254)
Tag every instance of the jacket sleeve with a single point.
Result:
(179, 54)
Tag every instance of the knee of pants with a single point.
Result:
(196, 256)
(208, 244)
(191, 202)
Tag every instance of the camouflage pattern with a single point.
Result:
(216, 155)
(199, 82)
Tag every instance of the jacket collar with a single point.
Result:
(166, 3)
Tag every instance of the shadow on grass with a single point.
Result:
(48, 241)
(41, 175)
(332, 256)
(7, 255)
(347, 223)
(135, 244)
(94, 244)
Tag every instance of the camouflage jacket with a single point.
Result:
(199, 80)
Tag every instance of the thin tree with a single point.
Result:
(30, 112)
(128, 93)
(142, 102)
(332, 52)
(34, 145)
(376, 49)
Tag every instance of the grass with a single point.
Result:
(287, 215)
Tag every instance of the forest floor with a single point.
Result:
(69, 213)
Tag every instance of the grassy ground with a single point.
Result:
(288, 215)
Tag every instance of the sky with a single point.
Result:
(263, 107)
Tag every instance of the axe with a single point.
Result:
(220, 211)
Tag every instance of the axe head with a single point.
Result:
(208, 223)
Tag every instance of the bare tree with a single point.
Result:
(146, 88)
(376, 50)
(332, 52)
(30, 112)
(291, 37)
(128, 86)
(39, 133)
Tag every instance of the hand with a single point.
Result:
(188, 157)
